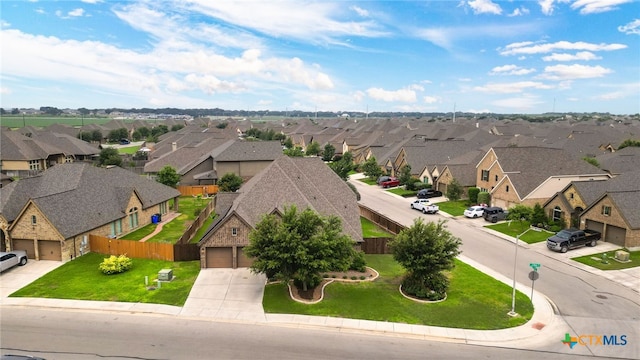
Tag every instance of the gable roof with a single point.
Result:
(78, 197)
(623, 160)
(305, 182)
(15, 146)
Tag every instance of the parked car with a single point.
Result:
(12, 258)
(572, 238)
(425, 206)
(494, 214)
(383, 178)
(474, 211)
(124, 142)
(392, 182)
(428, 193)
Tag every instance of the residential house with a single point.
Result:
(51, 215)
(22, 156)
(621, 161)
(301, 182)
(530, 175)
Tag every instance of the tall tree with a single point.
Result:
(109, 156)
(299, 246)
(425, 251)
(371, 169)
(343, 166)
(454, 190)
(313, 149)
(328, 152)
(168, 176)
(405, 176)
(230, 182)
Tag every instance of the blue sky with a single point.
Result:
(427, 56)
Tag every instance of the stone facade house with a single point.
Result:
(304, 182)
(52, 215)
(530, 175)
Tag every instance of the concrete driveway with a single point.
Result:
(231, 294)
(20, 276)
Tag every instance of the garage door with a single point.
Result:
(26, 245)
(219, 257)
(49, 250)
(615, 235)
(243, 260)
(595, 225)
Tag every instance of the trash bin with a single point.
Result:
(154, 219)
(159, 216)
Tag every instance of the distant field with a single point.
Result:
(18, 121)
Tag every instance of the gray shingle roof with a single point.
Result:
(250, 151)
(79, 197)
(621, 161)
(627, 202)
(15, 146)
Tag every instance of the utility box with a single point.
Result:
(165, 275)
(622, 255)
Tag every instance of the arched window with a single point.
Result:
(557, 213)
(133, 217)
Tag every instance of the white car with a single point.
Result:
(12, 258)
(474, 212)
(425, 206)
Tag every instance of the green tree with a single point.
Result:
(591, 160)
(520, 212)
(328, 152)
(484, 198)
(222, 125)
(454, 190)
(230, 182)
(294, 152)
(117, 134)
(109, 156)
(288, 143)
(538, 217)
(313, 149)
(343, 166)
(299, 246)
(473, 194)
(280, 137)
(85, 136)
(371, 169)
(425, 250)
(177, 127)
(96, 135)
(405, 176)
(629, 142)
(168, 176)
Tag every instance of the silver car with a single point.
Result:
(12, 258)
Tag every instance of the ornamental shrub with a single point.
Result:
(473, 194)
(115, 264)
(358, 262)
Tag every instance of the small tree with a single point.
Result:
(230, 182)
(484, 197)
(168, 176)
(454, 190)
(371, 169)
(288, 143)
(109, 156)
(343, 166)
(473, 194)
(520, 212)
(313, 149)
(425, 251)
(328, 152)
(299, 246)
(405, 175)
(538, 217)
(294, 152)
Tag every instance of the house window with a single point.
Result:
(485, 175)
(606, 210)
(34, 165)
(68, 159)
(557, 214)
(133, 218)
(234, 231)
(33, 220)
(507, 188)
(571, 196)
(496, 177)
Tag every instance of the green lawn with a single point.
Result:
(18, 121)
(129, 150)
(369, 181)
(173, 230)
(453, 208)
(400, 190)
(475, 300)
(203, 229)
(515, 228)
(595, 260)
(141, 233)
(371, 230)
(80, 279)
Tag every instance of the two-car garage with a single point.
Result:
(612, 234)
(47, 249)
(226, 257)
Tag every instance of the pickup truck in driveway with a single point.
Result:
(572, 238)
(425, 206)
(392, 182)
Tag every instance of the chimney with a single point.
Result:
(174, 146)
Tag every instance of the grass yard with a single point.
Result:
(129, 150)
(530, 237)
(173, 230)
(80, 279)
(453, 208)
(475, 300)
(18, 121)
(595, 260)
(400, 190)
(371, 230)
(369, 181)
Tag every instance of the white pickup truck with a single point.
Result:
(425, 206)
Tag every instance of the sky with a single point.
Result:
(508, 57)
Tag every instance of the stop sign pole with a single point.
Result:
(533, 275)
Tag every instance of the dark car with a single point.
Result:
(494, 214)
(383, 178)
(428, 193)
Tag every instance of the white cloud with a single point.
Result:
(519, 11)
(39, 11)
(579, 56)
(76, 12)
(597, 6)
(515, 87)
(91, 1)
(631, 28)
(403, 95)
(546, 6)
(510, 70)
(430, 99)
(4, 24)
(531, 48)
(360, 11)
(570, 72)
(485, 7)
(5, 90)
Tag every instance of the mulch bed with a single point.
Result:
(315, 294)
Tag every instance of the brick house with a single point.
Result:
(304, 182)
(530, 175)
(52, 215)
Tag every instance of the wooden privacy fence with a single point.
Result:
(378, 245)
(144, 250)
(197, 224)
(194, 190)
